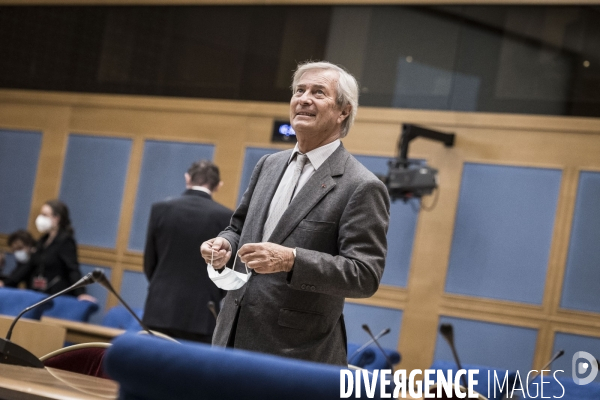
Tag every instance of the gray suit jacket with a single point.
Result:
(338, 223)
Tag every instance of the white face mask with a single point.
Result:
(43, 223)
(229, 279)
(22, 256)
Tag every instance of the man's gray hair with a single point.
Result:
(347, 88)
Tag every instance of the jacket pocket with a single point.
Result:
(316, 226)
(302, 320)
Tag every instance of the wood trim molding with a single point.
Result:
(280, 110)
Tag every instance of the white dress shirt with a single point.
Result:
(316, 158)
(201, 189)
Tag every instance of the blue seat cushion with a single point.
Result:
(13, 301)
(372, 358)
(119, 317)
(362, 358)
(68, 307)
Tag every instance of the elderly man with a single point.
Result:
(311, 228)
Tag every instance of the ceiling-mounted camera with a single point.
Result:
(408, 179)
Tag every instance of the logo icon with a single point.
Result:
(581, 367)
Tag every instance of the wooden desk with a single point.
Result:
(38, 337)
(23, 383)
(80, 332)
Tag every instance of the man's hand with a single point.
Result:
(218, 250)
(267, 258)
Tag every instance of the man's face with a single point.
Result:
(313, 107)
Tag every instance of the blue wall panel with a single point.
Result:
(378, 319)
(401, 232)
(19, 154)
(92, 186)
(503, 232)
(98, 291)
(582, 277)
(571, 344)
(488, 344)
(251, 158)
(134, 289)
(161, 177)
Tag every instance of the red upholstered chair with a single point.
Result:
(85, 358)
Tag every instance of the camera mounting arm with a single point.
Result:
(410, 132)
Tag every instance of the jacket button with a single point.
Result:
(313, 288)
(303, 286)
(236, 302)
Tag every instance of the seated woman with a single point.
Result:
(54, 266)
(22, 246)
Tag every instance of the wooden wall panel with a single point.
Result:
(565, 143)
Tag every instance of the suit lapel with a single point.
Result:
(266, 190)
(312, 192)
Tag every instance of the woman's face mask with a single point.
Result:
(229, 279)
(43, 223)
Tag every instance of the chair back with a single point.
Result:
(371, 358)
(68, 307)
(85, 358)
(118, 317)
(13, 301)
(149, 368)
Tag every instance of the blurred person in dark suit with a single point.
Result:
(22, 245)
(180, 290)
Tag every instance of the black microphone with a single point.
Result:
(447, 332)
(368, 330)
(98, 276)
(558, 355)
(212, 308)
(11, 353)
(364, 346)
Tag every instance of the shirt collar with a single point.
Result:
(318, 156)
(201, 189)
